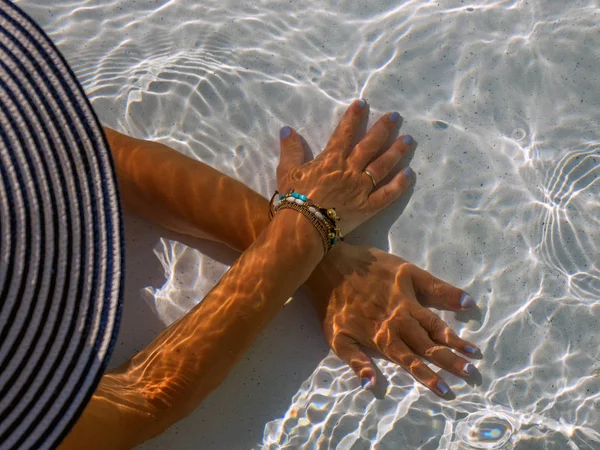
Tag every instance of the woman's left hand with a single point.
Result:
(367, 297)
(351, 175)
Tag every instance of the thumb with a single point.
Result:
(292, 151)
(350, 352)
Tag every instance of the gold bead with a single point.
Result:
(332, 214)
(331, 235)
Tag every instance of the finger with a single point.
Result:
(391, 191)
(446, 359)
(348, 130)
(292, 151)
(399, 353)
(383, 165)
(372, 144)
(441, 333)
(351, 353)
(419, 340)
(437, 293)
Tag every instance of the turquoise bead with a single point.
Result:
(334, 240)
(282, 197)
(295, 195)
(303, 198)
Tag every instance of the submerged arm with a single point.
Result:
(165, 381)
(169, 378)
(185, 195)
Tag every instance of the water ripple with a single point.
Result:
(501, 96)
(571, 223)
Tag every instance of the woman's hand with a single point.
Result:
(336, 178)
(370, 298)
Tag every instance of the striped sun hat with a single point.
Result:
(61, 241)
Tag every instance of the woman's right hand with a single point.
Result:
(336, 178)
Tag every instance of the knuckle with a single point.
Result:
(404, 270)
(431, 351)
(327, 161)
(296, 175)
(337, 342)
(411, 363)
(380, 339)
(383, 337)
(394, 190)
(438, 287)
(346, 130)
(437, 326)
(387, 194)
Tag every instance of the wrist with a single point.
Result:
(297, 237)
(325, 274)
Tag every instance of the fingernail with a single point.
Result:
(469, 368)
(466, 301)
(366, 384)
(395, 116)
(408, 139)
(443, 387)
(362, 102)
(285, 132)
(408, 172)
(470, 349)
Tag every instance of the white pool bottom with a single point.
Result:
(502, 98)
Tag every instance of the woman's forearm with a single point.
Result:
(185, 195)
(168, 379)
(190, 197)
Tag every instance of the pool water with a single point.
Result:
(503, 99)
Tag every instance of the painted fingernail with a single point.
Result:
(408, 139)
(469, 368)
(408, 172)
(395, 116)
(470, 349)
(466, 301)
(366, 384)
(362, 103)
(285, 132)
(443, 387)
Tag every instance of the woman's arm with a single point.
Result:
(167, 380)
(170, 377)
(358, 292)
(185, 195)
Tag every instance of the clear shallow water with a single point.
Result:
(502, 97)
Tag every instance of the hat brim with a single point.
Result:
(61, 240)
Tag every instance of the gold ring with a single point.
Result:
(371, 176)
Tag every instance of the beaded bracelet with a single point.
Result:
(324, 220)
(318, 224)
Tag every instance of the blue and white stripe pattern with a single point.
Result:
(61, 241)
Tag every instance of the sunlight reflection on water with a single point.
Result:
(502, 98)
